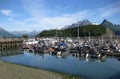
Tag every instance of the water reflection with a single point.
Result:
(42, 55)
(90, 68)
(10, 52)
(90, 59)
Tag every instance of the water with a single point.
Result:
(89, 69)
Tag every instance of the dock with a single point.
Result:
(6, 43)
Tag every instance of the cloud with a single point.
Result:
(56, 11)
(10, 19)
(6, 12)
(9, 13)
(41, 18)
(110, 10)
(56, 22)
(15, 25)
(49, 19)
(40, 14)
(35, 8)
(20, 25)
(49, 22)
(61, 21)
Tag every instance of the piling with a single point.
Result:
(10, 43)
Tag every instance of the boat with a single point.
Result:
(27, 44)
(30, 42)
(119, 58)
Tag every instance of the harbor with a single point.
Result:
(77, 57)
(56, 39)
(91, 47)
(87, 68)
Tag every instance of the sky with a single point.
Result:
(29, 15)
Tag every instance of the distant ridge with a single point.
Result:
(114, 28)
(86, 28)
(4, 33)
(111, 28)
(80, 23)
(20, 33)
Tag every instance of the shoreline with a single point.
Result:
(15, 71)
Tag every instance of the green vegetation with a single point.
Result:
(25, 36)
(89, 30)
(114, 28)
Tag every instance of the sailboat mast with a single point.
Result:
(78, 27)
(56, 33)
(34, 32)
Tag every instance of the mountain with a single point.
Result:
(20, 33)
(108, 24)
(88, 30)
(32, 33)
(108, 32)
(4, 33)
(118, 28)
(80, 23)
(117, 25)
(114, 28)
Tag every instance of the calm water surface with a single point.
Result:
(88, 68)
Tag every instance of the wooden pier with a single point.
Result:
(10, 43)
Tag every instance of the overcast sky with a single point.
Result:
(27, 15)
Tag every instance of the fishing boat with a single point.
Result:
(28, 43)
(119, 58)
